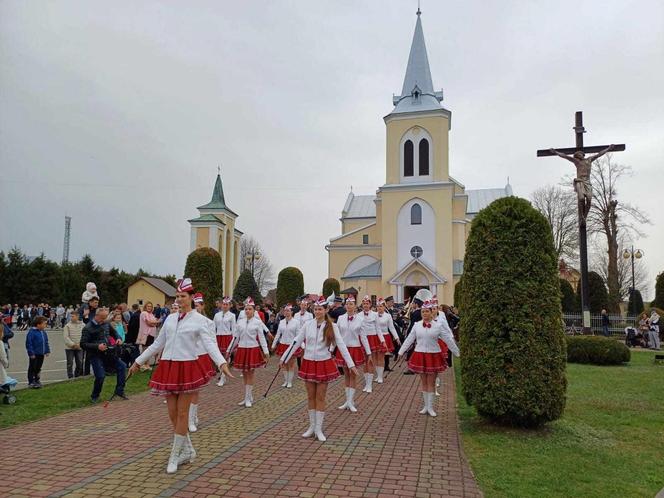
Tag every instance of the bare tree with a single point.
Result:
(600, 265)
(558, 205)
(253, 257)
(611, 219)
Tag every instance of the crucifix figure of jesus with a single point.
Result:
(582, 186)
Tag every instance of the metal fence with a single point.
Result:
(617, 324)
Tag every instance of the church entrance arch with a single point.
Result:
(409, 291)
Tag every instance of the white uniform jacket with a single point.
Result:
(184, 340)
(315, 348)
(286, 332)
(370, 324)
(224, 322)
(352, 333)
(386, 325)
(303, 318)
(248, 333)
(426, 339)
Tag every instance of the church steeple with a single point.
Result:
(417, 93)
(217, 201)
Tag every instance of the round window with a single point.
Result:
(416, 251)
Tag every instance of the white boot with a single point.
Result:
(425, 398)
(379, 374)
(178, 442)
(319, 427)
(289, 380)
(193, 417)
(248, 396)
(286, 377)
(345, 405)
(222, 380)
(437, 385)
(312, 424)
(430, 410)
(368, 384)
(351, 405)
(188, 453)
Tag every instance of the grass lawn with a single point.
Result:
(53, 399)
(610, 441)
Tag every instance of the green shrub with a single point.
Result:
(659, 291)
(331, 285)
(512, 341)
(246, 287)
(596, 350)
(635, 304)
(458, 289)
(204, 269)
(290, 285)
(598, 296)
(567, 297)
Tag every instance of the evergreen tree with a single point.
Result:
(598, 296)
(512, 340)
(246, 287)
(659, 292)
(290, 285)
(330, 285)
(635, 305)
(204, 269)
(567, 297)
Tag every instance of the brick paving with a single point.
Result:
(385, 450)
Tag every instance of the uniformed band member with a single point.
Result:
(199, 305)
(224, 322)
(320, 336)
(286, 333)
(181, 371)
(376, 342)
(337, 309)
(427, 359)
(385, 325)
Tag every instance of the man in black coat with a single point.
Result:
(95, 342)
(337, 309)
(415, 316)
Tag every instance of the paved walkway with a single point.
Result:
(387, 449)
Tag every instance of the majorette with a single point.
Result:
(224, 322)
(385, 325)
(350, 328)
(182, 370)
(376, 341)
(320, 336)
(286, 333)
(199, 304)
(250, 348)
(427, 360)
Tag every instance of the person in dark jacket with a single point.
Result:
(415, 316)
(133, 324)
(37, 347)
(95, 342)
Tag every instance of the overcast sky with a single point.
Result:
(118, 113)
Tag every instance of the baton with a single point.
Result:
(278, 369)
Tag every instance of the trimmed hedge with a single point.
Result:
(203, 267)
(597, 293)
(331, 285)
(659, 291)
(512, 339)
(246, 286)
(596, 350)
(635, 303)
(290, 285)
(567, 297)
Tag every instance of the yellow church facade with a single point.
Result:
(215, 228)
(411, 234)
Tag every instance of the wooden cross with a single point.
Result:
(583, 205)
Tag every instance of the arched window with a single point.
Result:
(408, 153)
(424, 157)
(416, 214)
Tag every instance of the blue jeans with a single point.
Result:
(97, 364)
(605, 330)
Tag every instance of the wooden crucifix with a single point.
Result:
(577, 155)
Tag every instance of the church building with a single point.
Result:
(215, 228)
(412, 233)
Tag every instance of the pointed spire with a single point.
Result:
(417, 92)
(217, 201)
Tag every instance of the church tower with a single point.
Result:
(215, 228)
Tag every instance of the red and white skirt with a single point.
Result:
(318, 371)
(389, 343)
(375, 344)
(176, 377)
(427, 362)
(223, 341)
(248, 358)
(357, 353)
(281, 349)
(443, 349)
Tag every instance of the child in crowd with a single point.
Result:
(36, 345)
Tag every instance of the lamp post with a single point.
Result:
(632, 254)
(251, 259)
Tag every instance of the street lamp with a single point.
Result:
(251, 259)
(632, 254)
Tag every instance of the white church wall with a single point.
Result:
(422, 235)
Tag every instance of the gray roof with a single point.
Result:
(481, 198)
(417, 92)
(161, 285)
(359, 206)
(374, 269)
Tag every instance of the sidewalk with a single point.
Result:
(387, 449)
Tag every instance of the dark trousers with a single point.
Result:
(74, 355)
(97, 364)
(86, 363)
(34, 368)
